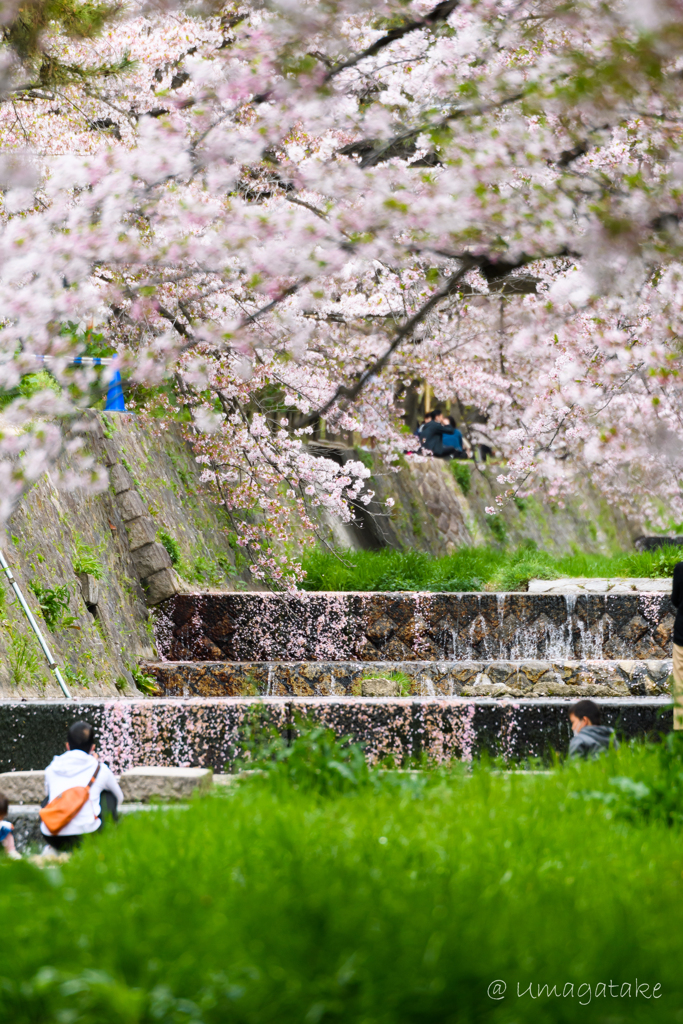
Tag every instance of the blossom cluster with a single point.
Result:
(305, 213)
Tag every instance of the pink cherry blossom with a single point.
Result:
(295, 215)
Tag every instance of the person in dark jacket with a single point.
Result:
(432, 435)
(590, 738)
(677, 602)
(429, 416)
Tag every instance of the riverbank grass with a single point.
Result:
(323, 892)
(470, 569)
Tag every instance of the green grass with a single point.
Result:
(206, 571)
(462, 471)
(480, 568)
(172, 546)
(30, 384)
(55, 604)
(380, 898)
(404, 681)
(86, 560)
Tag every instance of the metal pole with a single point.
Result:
(34, 625)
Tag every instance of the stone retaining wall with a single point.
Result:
(414, 627)
(210, 733)
(427, 678)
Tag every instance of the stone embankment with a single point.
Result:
(109, 555)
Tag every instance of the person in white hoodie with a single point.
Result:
(76, 768)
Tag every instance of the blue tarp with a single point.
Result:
(115, 400)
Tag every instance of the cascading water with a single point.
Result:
(590, 640)
(445, 642)
(427, 686)
(453, 627)
(500, 604)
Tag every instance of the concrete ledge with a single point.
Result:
(23, 787)
(209, 733)
(144, 784)
(138, 784)
(596, 585)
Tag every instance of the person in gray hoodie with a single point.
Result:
(590, 738)
(76, 768)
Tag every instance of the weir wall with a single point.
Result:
(414, 627)
(210, 733)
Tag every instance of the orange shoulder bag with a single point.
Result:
(60, 811)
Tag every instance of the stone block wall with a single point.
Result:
(151, 559)
(154, 485)
(414, 627)
(527, 679)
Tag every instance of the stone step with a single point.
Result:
(210, 732)
(141, 784)
(146, 783)
(425, 678)
(414, 627)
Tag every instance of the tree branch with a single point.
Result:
(179, 326)
(349, 393)
(494, 270)
(251, 318)
(440, 13)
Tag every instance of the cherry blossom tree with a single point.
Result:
(286, 213)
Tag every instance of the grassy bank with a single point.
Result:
(471, 568)
(380, 898)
